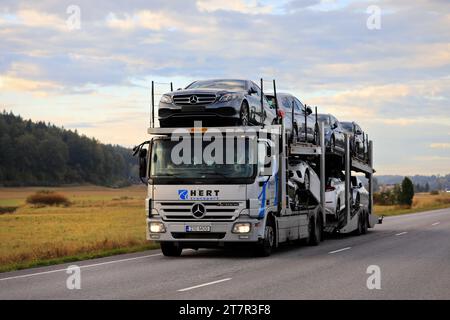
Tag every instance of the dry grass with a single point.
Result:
(98, 220)
(47, 198)
(421, 202)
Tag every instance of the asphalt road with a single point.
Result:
(412, 252)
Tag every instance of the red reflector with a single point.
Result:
(329, 188)
(281, 113)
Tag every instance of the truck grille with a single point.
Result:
(217, 211)
(199, 99)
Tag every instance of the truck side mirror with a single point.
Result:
(143, 163)
(308, 111)
(251, 91)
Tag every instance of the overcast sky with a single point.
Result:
(393, 80)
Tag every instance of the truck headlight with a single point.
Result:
(166, 99)
(157, 227)
(242, 227)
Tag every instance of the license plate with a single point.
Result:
(199, 228)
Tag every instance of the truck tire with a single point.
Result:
(265, 247)
(361, 222)
(365, 223)
(315, 229)
(170, 249)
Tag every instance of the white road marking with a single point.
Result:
(339, 250)
(401, 233)
(204, 284)
(85, 266)
(435, 224)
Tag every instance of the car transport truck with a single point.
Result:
(244, 186)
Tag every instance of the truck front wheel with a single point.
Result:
(170, 249)
(265, 247)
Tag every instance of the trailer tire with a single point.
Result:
(365, 222)
(361, 222)
(170, 249)
(315, 229)
(265, 246)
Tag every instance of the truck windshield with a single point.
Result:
(233, 85)
(235, 167)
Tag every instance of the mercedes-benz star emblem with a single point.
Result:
(193, 99)
(198, 210)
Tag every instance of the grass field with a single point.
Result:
(99, 222)
(421, 202)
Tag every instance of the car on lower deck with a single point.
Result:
(216, 103)
(360, 195)
(334, 196)
(295, 124)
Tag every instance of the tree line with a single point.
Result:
(37, 153)
(401, 194)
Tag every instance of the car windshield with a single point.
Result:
(233, 165)
(348, 126)
(271, 100)
(324, 118)
(233, 85)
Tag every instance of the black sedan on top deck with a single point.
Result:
(358, 143)
(334, 134)
(216, 103)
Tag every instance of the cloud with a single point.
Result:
(40, 88)
(394, 81)
(34, 19)
(437, 145)
(241, 6)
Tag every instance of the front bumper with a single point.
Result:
(217, 109)
(221, 231)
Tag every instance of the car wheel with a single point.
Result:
(170, 249)
(265, 247)
(316, 135)
(306, 181)
(357, 201)
(244, 114)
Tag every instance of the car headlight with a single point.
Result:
(228, 97)
(157, 227)
(242, 227)
(166, 99)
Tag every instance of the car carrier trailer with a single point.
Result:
(242, 209)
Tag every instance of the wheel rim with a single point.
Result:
(307, 181)
(269, 236)
(244, 115)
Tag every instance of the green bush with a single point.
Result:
(48, 198)
(7, 209)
